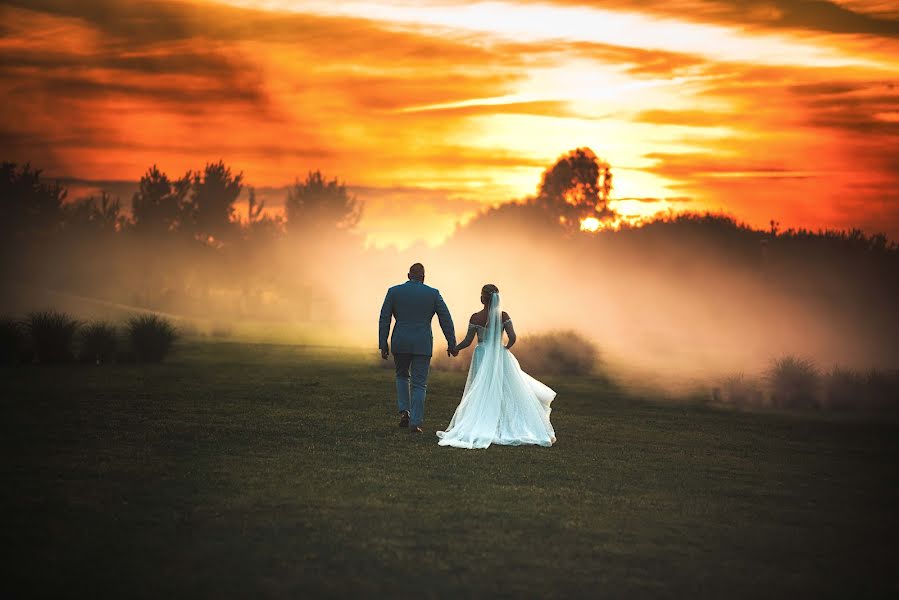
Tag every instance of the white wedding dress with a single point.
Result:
(501, 403)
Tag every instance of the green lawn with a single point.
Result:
(252, 471)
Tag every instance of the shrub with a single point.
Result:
(564, 352)
(849, 389)
(51, 333)
(882, 389)
(441, 362)
(151, 337)
(794, 382)
(843, 388)
(11, 340)
(742, 391)
(98, 343)
(555, 353)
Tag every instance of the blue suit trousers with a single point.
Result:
(412, 384)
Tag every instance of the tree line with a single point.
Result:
(183, 237)
(198, 205)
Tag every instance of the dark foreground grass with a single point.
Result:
(240, 471)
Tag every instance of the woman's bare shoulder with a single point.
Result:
(506, 316)
(479, 318)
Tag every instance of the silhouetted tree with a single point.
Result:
(31, 214)
(95, 215)
(28, 205)
(525, 221)
(211, 205)
(254, 210)
(577, 187)
(159, 204)
(259, 226)
(317, 205)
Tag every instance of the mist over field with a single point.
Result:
(672, 302)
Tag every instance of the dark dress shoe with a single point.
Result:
(415, 430)
(404, 419)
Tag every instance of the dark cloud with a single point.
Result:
(186, 61)
(812, 15)
(698, 165)
(825, 88)
(170, 38)
(127, 58)
(24, 147)
(817, 15)
(66, 86)
(137, 52)
(161, 20)
(140, 22)
(886, 132)
(855, 108)
(151, 23)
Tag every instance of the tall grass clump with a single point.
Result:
(843, 388)
(740, 390)
(882, 389)
(12, 340)
(98, 343)
(794, 382)
(151, 337)
(848, 389)
(555, 353)
(51, 334)
(564, 352)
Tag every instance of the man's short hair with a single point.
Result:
(417, 271)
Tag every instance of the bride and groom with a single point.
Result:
(501, 404)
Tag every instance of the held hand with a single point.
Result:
(455, 352)
(385, 353)
(451, 351)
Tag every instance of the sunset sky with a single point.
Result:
(782, 109)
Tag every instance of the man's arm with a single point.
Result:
(446, 323)
(384, 324)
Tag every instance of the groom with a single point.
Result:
(413, 305)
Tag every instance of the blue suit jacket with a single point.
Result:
(414, 305)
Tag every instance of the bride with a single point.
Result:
(501, 403)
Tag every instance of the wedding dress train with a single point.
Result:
(501, 403)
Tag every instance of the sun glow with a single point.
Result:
(627, 213)
(594, 225)
(590, 224)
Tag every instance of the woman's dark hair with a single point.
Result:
(488, 290)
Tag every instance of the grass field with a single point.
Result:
(252, 471)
